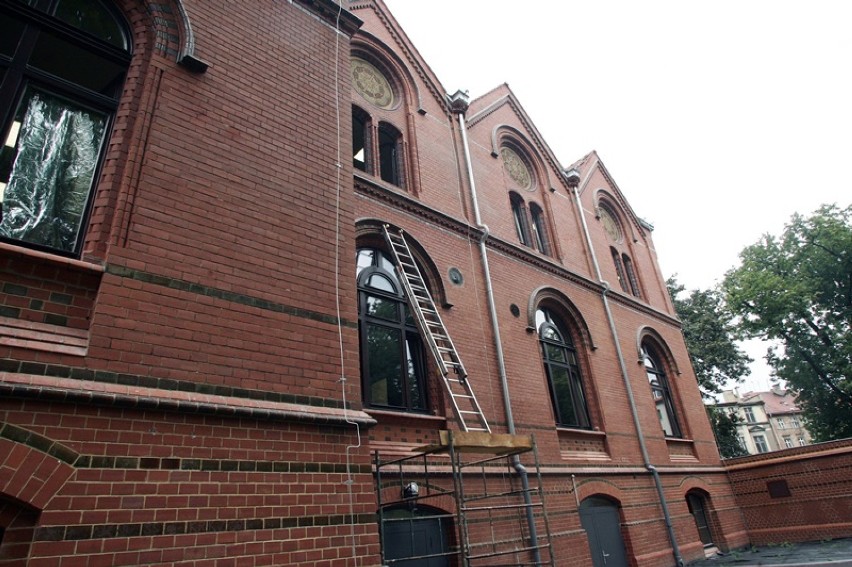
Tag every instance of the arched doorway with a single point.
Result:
(602, 521)
(416, 537)
(697, 504)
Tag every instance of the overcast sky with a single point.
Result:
(718, 120)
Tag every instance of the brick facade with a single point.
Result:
(188, 390)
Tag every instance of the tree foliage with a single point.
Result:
(796, 289)
(711, 337)
(724, 427)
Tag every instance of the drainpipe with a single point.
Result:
(572, 177)
(459, 103)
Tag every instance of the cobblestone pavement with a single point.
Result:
(834, 553)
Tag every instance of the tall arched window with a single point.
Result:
(539, 229)
(390, 155)
(361, 141)
(631, 276)
(563, 371)
(661, 391)
(378, 146)
(62, 69)
(519, 215)
(392, 361)
(619, 269)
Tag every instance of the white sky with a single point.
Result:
(718, 120)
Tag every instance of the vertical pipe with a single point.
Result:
(498, 345)
(573, 182)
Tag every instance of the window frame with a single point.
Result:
(619, 269)
(538, 228)
(760, 443)
(19, 79)
(365, 141)
(519, 214)
(632, 279)
(410, 339)
(391, 167)
(662, 391)
(576, 388)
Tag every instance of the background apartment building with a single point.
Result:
(767, 421)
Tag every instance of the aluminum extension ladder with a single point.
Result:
(466, 407)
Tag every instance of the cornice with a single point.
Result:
(371, 189)
(405, 202)
(333, 13)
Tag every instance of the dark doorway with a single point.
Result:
(698, 508)
(416, 538)
(602, 522)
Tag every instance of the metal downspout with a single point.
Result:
(573, 178)
(459, 103)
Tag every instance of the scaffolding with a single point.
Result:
(473, 473)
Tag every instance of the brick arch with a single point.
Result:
(33, 469)
(368, 232)
(600, 488)
(551, 294)
(694, 484)
(651, 334)
(30, 475)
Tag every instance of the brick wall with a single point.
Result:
(799, 494)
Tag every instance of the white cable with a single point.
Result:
(339, 166)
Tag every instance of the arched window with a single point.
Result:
(392, 361)
(361, 141)
(519, 215)
(661, 391)
(539, 229)
(378, 146)
(619, 269)
(563, 371)
(390, 154)
(62, 69)
(631, 276)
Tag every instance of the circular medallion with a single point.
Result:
(516, 168)
(610, 224)
(371, 83)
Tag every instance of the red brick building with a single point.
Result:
(207, 356)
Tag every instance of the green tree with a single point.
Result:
(725, 428)
(711, 337)
(796, 290)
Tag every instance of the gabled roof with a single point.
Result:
(779, 402)
(592, 162)
(404, 47)
(502, 96)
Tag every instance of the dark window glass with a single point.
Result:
(619, 269)
(11, 31)
(390, 154)
(661, 392)
(68, 61)
(360, 139)
(539, 229)
(57, 97)
(391, 351)
(519, 215)
(563, 372)
(93, 18)
(631, 275)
